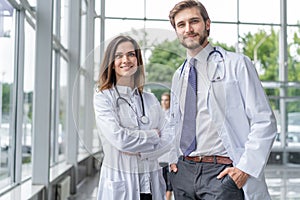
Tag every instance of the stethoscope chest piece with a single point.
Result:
(144, 120)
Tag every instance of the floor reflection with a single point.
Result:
(283, 184)
(283, 181)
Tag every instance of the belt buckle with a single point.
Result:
(200, 158)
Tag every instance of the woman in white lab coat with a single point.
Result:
(131, 125)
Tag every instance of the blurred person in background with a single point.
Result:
(163, 160)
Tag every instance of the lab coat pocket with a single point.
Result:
(115, 190)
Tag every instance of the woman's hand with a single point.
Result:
(158, 132)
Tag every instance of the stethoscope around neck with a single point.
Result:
(143, 119)
(213, 66)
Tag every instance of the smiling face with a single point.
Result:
(191, 29)
(125, 63)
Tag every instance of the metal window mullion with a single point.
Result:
(283, 75)
(20, 95)
(88, 100)
(72, 88)
(73, 73)
(56, 91)
(102, 28)
(27, 6)
(55, 104)
(15, 151)
(61, 49)
(30, 22)
(42, 93)
(15, 4)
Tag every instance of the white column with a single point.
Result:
(89, 81)
(73, 88)
(42, 93)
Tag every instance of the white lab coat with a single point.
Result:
(130, 148)
(241, 111)
(164, 158)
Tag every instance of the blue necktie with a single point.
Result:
(188, 134)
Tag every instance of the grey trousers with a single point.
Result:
(198, 181)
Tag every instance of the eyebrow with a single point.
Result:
(190, 19)
(193, 18)
(133, 51)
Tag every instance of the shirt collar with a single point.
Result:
(127, 90)
(203, 54)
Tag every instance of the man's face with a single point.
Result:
(165, 102)
(191, 28)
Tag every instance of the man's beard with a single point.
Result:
(192, 46)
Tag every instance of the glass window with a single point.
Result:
(293, 40)
(63, 92)
(32, 2)
(59, 106)
(29, 61)
(80, 79)
(64, 25)
(164, 25)
(257, 11)
(83, 32)
(97, 7)
(253, 29)
(259, 40)
(127, 9)
(7, 130)
(224, 33)
(293, 124)
(159, 30)
(97, 50)
(55, 18)
(116, 27)
(153, 33)
(293, 12)
(221, 10)
(157, 9)
(83, 146)
(54, 107)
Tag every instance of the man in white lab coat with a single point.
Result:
(235, 126)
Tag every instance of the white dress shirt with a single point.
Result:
(208, 140)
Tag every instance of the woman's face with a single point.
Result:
(125, 60)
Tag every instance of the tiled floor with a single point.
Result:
(283, 183)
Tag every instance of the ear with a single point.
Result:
(207, 24)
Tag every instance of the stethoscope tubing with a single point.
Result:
(143, 119)
(209, 55)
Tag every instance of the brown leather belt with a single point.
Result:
(209, 159)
